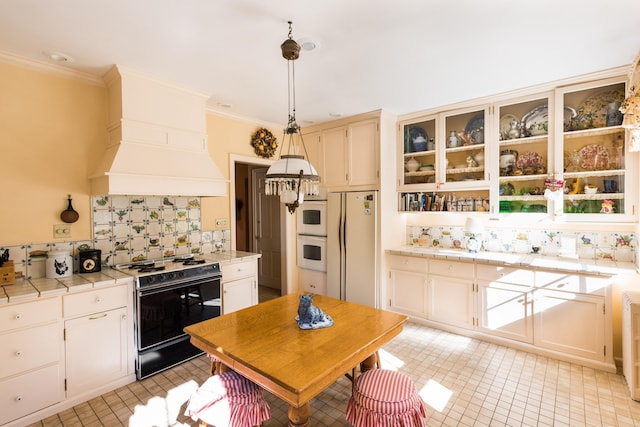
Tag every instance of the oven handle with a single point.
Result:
(163, 287)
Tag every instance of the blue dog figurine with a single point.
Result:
(310, 316)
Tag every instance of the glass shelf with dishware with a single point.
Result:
(444, 201)
(524, 193)
(593, 147)
(465, 146)
(419, 152)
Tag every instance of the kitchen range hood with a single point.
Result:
(157, 141)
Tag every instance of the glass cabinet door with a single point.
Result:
(464, 149)
(419, 152)
(524, 154)
(593, 150)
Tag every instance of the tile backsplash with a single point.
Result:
(595, 245)
(132, 228)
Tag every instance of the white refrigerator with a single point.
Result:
(352, 241)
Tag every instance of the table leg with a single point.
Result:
(299, 416)
(369, 363)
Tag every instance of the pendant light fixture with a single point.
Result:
(291, 176)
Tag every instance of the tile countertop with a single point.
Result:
(27, 289)
(229, 256)
(565, 264)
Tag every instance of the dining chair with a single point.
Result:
(228, 400)
(385, 398)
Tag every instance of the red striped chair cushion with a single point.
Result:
(229, 400)
(383, 398)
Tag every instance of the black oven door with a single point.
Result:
(164, 312)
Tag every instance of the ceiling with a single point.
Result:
(401, 56)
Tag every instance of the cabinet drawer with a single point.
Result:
(498, 273)
(29, 348)
(463, 270)
(94, 301)
(594, 285)
(22, 395)
(409, 263)
(237, 270)
(29, 313)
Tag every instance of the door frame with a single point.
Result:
(289, 271)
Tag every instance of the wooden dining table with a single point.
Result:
(264, 343)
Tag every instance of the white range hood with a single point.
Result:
(157, 141)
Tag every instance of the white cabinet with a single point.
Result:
(239, 284)
(451, 297)
(560, 314)
(312, 281)
(505, 302)
(351, 155)
(31, 372)
(408, 285)
(97, 335)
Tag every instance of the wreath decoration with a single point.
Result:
(264, 143)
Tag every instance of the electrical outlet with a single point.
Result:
(222, 222)
(61, 231)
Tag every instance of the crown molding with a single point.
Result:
(47, 68)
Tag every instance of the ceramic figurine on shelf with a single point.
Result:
(607, 206)
(452, 142)
(310, 316)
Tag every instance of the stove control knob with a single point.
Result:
(180, 273)
(172, 275)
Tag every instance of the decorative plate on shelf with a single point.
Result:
(595, 106)
(529, 159)
(594, 157)
(475, 128)
(505, 125)
(536, 121)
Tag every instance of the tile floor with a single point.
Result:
(465, 382)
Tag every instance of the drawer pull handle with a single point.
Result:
(98, 299)
(98, 317)
(18, 316)
(18, 353)
(561, 285)
(19, 398)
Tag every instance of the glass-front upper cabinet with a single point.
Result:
(593, 152)
(464, 148)
(524, 153)
(419, 152)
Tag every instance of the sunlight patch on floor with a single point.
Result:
(435, 395)
(163, 411)
(389, 361)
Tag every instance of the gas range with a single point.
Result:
(170, 270)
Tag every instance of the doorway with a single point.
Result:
(258, 224)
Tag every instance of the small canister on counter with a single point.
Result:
(59, 264)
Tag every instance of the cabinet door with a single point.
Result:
(570, 322)
(592, 149)
(363, 153)
(313, 144)
(334, 147)
(450, 301)
(96, 350)
(409, 292)
(238, 294)
(523, 157)
(505, 310)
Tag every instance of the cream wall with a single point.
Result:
(227, 136)
(52, 134)
(52, 130)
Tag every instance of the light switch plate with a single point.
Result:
(61, 231)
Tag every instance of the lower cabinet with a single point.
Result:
(571, 323)
(564, 314)
(31, 368)
(239, 284)
(451, 300)
(505, 310)
(96, 349)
